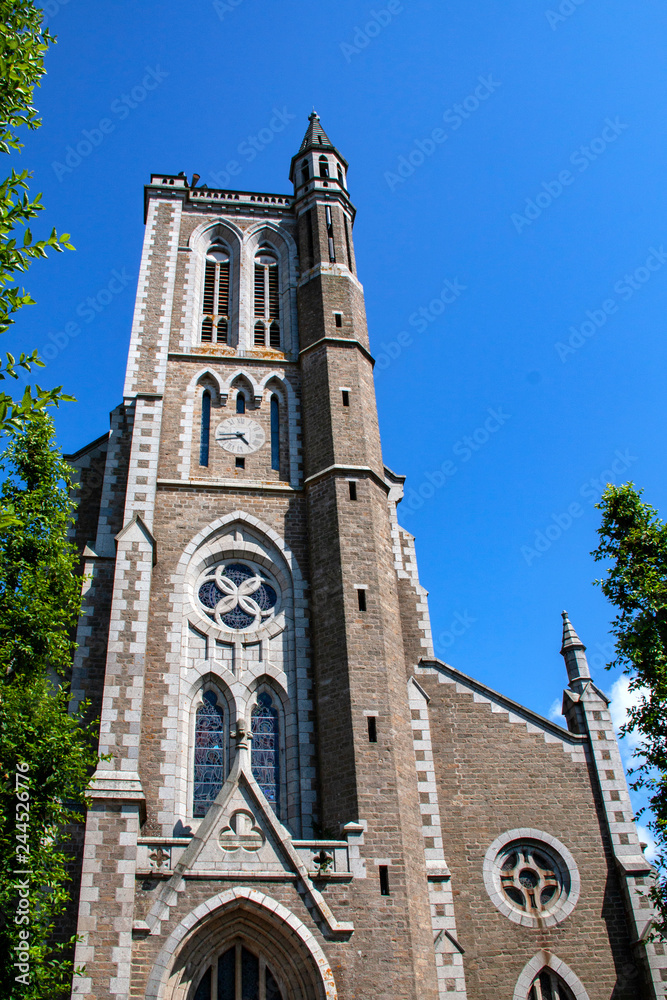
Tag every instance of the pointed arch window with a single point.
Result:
(266, 749)
(275, 433)
(205, 432)
(267, 298)
(215, 303)
(305, 172)
(209, 773)
(549, 986)
(239, 974)
(324, 166)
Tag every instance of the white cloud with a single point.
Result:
(621, 700)
(555, 713)
(646, 837)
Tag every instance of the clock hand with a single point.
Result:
(243, 438)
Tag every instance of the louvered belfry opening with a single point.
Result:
(267, 299)
(215, 305)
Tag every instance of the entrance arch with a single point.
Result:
(255, 920)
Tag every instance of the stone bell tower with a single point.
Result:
(241, 639)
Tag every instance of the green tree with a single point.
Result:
(23, 43)
(46, 755)
(633, 540)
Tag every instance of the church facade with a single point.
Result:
(297, 800)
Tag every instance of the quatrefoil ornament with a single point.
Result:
(236, 596)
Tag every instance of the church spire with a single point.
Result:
(574, 653)
(315, 134)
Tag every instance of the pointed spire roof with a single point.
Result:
(570, 638)
(315, 134)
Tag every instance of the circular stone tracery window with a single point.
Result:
(236, 596)
(531, 878)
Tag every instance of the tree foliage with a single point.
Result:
(633, 540)
(23, 43)
(45, 751)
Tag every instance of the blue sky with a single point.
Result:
(507, 161)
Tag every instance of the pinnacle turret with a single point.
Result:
(574, 653)
(315, 135)
(318, 164)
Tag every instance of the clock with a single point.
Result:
(240, 435)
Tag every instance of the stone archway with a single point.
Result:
(264, 925)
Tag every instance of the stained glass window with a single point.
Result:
(237, 596)
(209, 754)
(266, 748)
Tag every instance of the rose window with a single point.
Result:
(530, 878)
(237, 596)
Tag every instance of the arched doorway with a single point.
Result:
(241, 945)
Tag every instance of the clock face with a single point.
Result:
(240, 435)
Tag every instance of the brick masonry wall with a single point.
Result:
(493, 775)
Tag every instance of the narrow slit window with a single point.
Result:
(240, 402)
(347, 243)
(384, 880)
(346, 397)
(305, 172)
(372, 729)
(361, 598)
(275, 434)
(309, 238)
(240, 463)
(215, 300)
(338, 318)
(340, 176)
(330, 234)
(205, 431)
(353, 489)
